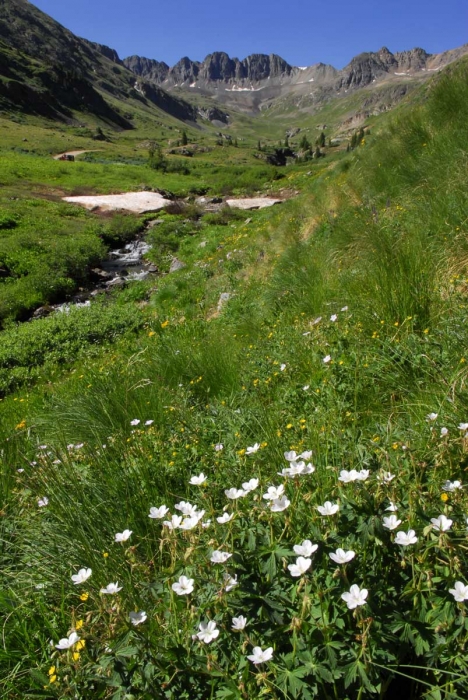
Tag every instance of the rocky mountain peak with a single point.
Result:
(147, 68)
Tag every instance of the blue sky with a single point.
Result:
(301, 31)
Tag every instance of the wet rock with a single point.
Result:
(43, 311)
(116, 282)
(101, 274)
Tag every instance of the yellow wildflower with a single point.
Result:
(444, 497)
(79, 625)
(84, 596)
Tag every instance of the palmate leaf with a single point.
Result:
(290, 680)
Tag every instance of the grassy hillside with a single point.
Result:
(343, 340)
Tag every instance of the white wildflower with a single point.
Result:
(123, 536)
(328, 508)
(82, 576)
(158, 513)
(219, 557)
(406, 538)
(67, 642)
(137, 618)
(239, 623)
(198, 480)
(460, 592)
(441, 523)
(259, 656)
(356, 597)
(300, 567)
(273, 492)
(391, 523)
(279, 504)
(111, 589)
(253, 449)
(183, 586)
(342, 557)
(306, 548)
(207, 632)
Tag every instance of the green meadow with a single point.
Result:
(246, 478)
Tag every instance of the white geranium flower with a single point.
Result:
(189, 523)
(82, 576)
(307, 454)
(385, 477)
(149, 422)
(463, 427)
(250, 485)
(333, 318)
(206, 523)
(431, 417)
(158, 513)
(259, 656)
(460, 592)
(137, 618)
(296, 469)
(328, 508)
(443, 432)
(326, 359)
(230, 582)
(406, 538)
(123, 536)
(219, 447)
(392, 507)
(305, 549)
(207, 632)
(391, 523)
(273, 492)
(239, 623)
(186, 508)
(43, 502)
(67, 642)
(135, 421)
(356, 597)
(111, 589)
(282, 367)
(451, 485)
(306, 387)
(225, 518)
(198, 480)
(348, 476)
(363, 474)
(291, 456)
(253, 449)
(279, 504)
(173, 523)
(219, 557)
(342, 557)
(441, 523)
(300, 567)
(317, 320)
(183, 586)
(234, 494)
(345, 308)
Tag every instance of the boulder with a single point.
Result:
(176, 265)
(43, 311)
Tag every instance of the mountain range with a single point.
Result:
(48, 71)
